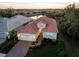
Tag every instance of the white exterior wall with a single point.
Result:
(50, 35)
(27, 37)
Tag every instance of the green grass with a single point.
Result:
(65, 47)
(70, 45)
(47, 51)
(53, 50)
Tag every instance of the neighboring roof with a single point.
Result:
(51, 25)
(14, 17)
(17, 17)
(9, 24)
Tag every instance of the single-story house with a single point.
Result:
(29, 31)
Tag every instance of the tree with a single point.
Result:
(10, 12)
(13, 35)
(70, 23)
(7, 12)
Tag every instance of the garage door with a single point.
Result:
(27, 37)
(50, 35)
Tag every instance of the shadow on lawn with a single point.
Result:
(48, 49)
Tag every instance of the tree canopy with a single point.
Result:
(70, 21)
(9, 12)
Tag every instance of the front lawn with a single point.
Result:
(65, 47)
(49, 50)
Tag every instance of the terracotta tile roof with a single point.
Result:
(51, 25)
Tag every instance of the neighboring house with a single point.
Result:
(30, 12)
(9, 24)
(37, 12)
(23, 12)
(29, 31)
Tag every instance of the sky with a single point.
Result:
(35, 4)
